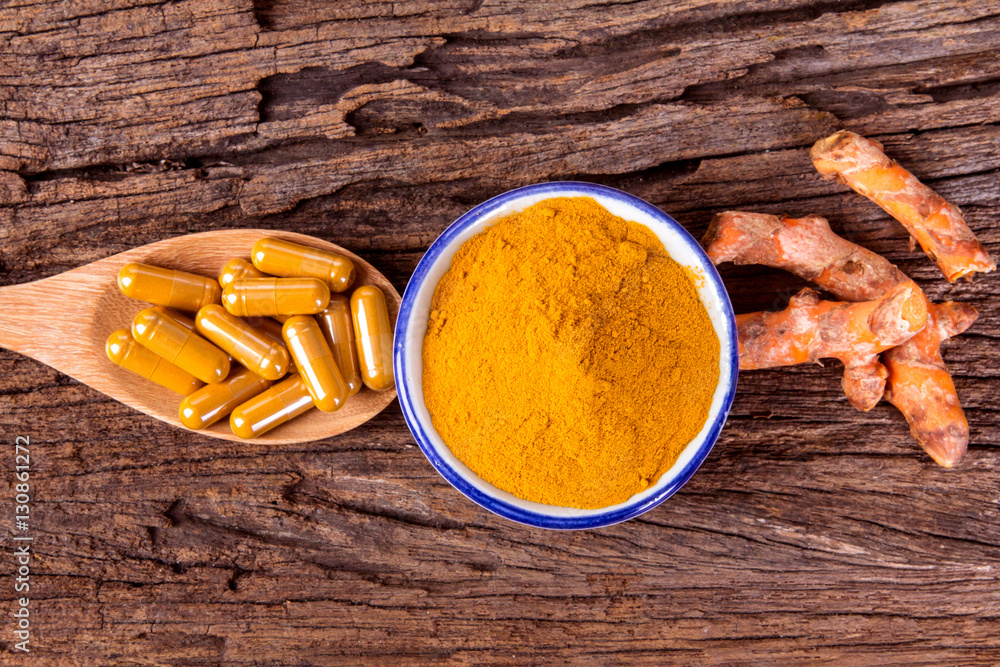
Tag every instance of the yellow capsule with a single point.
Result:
(287, 259)
(270, 328)
(237, 269)
(314, 358)
(125, 352)
(189, 325)
(252, 348)
(170, 339)
(274, 407)
(177, 315)
(166, 287)
(215, 401)
(252, 297)
(267, 326)
(281, 319)
(335, 323)
(373, 333)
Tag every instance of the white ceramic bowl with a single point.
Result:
(411, 326)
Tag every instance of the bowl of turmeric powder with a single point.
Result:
(566, 355)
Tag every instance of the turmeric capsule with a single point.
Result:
(338, 329)
(215, 401)
(315, 361)
(287, 259)
(373, 334)
(125, 352)
(252, 297)
(268, 326)
(272, 329)
(271, 409)
(252, 348)
(237, 269)
(166, 287)
(188, 324)
(170, 339)
(177, 315)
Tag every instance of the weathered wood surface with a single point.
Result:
(813, 533)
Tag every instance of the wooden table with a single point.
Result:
(813, 533)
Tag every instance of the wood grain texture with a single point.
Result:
(65, 320)
(813, 534)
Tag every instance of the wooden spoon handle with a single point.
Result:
(42, 319)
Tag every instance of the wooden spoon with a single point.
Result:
(64, 322)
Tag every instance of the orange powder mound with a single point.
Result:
(568, 359)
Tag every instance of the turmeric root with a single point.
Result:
(937, 225)
(811, 329)
(918, 381)
(921, 386)
(806, 247)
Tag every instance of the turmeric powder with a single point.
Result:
(568, 359)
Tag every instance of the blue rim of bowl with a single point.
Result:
(501, 507)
